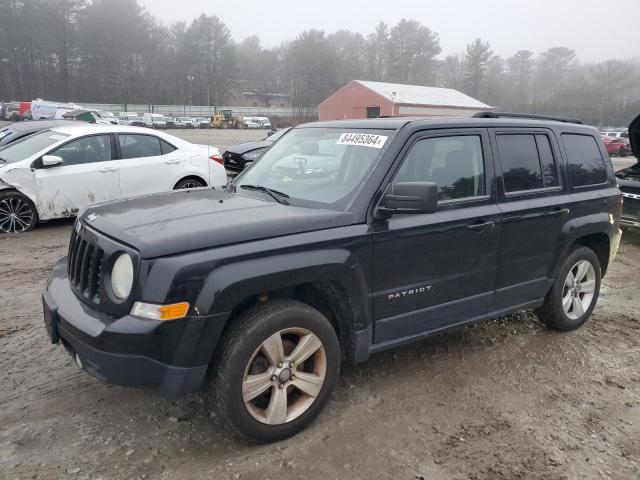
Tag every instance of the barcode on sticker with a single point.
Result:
(362, 140)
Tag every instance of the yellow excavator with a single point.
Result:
(226, 119)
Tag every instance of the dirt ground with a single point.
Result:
(506, 399)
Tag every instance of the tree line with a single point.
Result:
(114, 51)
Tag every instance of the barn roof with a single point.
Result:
(419, 95)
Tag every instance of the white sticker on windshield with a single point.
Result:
(362, 140)
(56, 137)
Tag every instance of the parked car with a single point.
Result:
(629, 180)
(171, 122)
(613, 145)
(56, 172)
(154, 120)
(131, 119)
(263, 290)
(16, 131)
(237, 157)
(252, 124)
(89, 116)
(109, 116)
(183, 122)
(258, 122)
(203, 122)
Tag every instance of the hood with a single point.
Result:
(186, 220)
(243, 148)
(634, 137)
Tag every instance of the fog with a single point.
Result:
(596, 30)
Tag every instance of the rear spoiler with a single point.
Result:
(634, 136)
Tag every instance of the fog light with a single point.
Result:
(160, 312)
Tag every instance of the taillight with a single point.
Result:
(216, 157)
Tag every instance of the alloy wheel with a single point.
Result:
(284, 376)
(578, 290)
(16, 215)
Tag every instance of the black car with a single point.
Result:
(236, 157)
(346, 238)
(629, 180)
(15, 131)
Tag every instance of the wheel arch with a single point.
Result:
(191, 176)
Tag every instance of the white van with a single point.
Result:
(154, 120)
(44, 110)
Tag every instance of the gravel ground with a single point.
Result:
(505, 399)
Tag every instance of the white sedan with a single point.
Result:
(56, 172)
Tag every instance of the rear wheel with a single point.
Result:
(18, 214)
(189, 183)
(275, 370)
(574, 293)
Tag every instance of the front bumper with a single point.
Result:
(120, 351)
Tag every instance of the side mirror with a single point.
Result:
(51, 160)
(411, 197)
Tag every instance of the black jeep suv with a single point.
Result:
(346, 238)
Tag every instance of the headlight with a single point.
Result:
(253, 155)
(122, 276)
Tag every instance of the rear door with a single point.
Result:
(535, 205)
(89, 174)
(148, 164)
(439, 269)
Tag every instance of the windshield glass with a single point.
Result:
(28, 146)
(321, 167)
(275, 136)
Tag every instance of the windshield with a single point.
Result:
(275, 136)
(28, 146)
(317, 167)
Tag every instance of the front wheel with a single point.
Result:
(275, 371)
(18, 214)
(574, 293)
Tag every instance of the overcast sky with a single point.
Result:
(595, 29)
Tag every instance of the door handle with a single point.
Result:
(108, 169)
(172, 162)
(479, 226)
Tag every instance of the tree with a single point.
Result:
(520, 67)
(377, 47)
(477, 57)
(351, 55)
(553, 67)
(452, 71)
(411, 53)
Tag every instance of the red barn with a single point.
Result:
(362, 99)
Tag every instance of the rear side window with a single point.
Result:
(139, 146)
(586, 165)
(527, 162)
(166, 147)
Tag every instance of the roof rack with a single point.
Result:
(525, 115)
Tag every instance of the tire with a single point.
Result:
(190, 182)
(581, 296)
(18, 214)
(242, 355)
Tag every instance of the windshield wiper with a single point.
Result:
(275, 194)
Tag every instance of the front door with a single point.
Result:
(148, 164)
(439, 269)
(89, 174)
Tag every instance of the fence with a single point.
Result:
(202, 110)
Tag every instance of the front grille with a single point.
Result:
(631, 207)
(85, 265)
(232, 159)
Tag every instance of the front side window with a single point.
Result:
(455, 164)
(96, 148)
(139, 146)
(586, 165)
(317, 167)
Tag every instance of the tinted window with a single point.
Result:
(166, 148)
(549, 168)
(455, 164)
(586, 165)
(520, 163)
(96, 148)
(139, 146)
